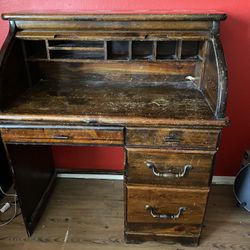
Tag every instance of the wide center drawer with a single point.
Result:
(171, 137)
(158, 205)
(169, 167)
(82, 135)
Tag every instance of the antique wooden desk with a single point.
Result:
(153, 84)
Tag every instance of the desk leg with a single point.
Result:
(34, 175)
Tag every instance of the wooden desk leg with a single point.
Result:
(5, 173)
(34, 175)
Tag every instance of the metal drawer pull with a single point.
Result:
(168, 174)
(172, 137)
(155, 214)
(61, 137)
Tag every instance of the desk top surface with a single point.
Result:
(129, 102)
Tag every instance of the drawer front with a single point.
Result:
(169, 167)
(170, 137)
(100, 135)
(160, 205)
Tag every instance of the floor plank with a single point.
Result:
(88, 214)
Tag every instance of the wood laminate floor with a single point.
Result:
(88, 214)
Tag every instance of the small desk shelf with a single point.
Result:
(121, 50)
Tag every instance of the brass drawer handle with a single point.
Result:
(168, 174)
(61, 137)
(155, 214)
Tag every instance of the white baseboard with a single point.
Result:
(223, 180)
(218, 180)
(92, 176)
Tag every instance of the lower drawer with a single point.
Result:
(160, 205)
(83, 135)
(169, 167)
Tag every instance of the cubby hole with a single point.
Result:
(76, 49)
(166, 50)
(118, 50)
(76, 54)
(191, 49)
(76, 43)
(142, 50)
(35, 49)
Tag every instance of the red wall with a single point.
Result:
(235, 35)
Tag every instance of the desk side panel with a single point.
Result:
(34, 176)
(214, 83)
(14, 78)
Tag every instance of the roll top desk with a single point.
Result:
(153, 84)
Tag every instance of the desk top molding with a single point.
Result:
(115, 17)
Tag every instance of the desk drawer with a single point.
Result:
(169, 167)
(152, 213)
(160, 205)
(170, 137)
(100, 135)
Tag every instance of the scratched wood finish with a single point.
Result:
(76, 98)
(105, 136)
(172, 137)
(119, 72)
(169, 161)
